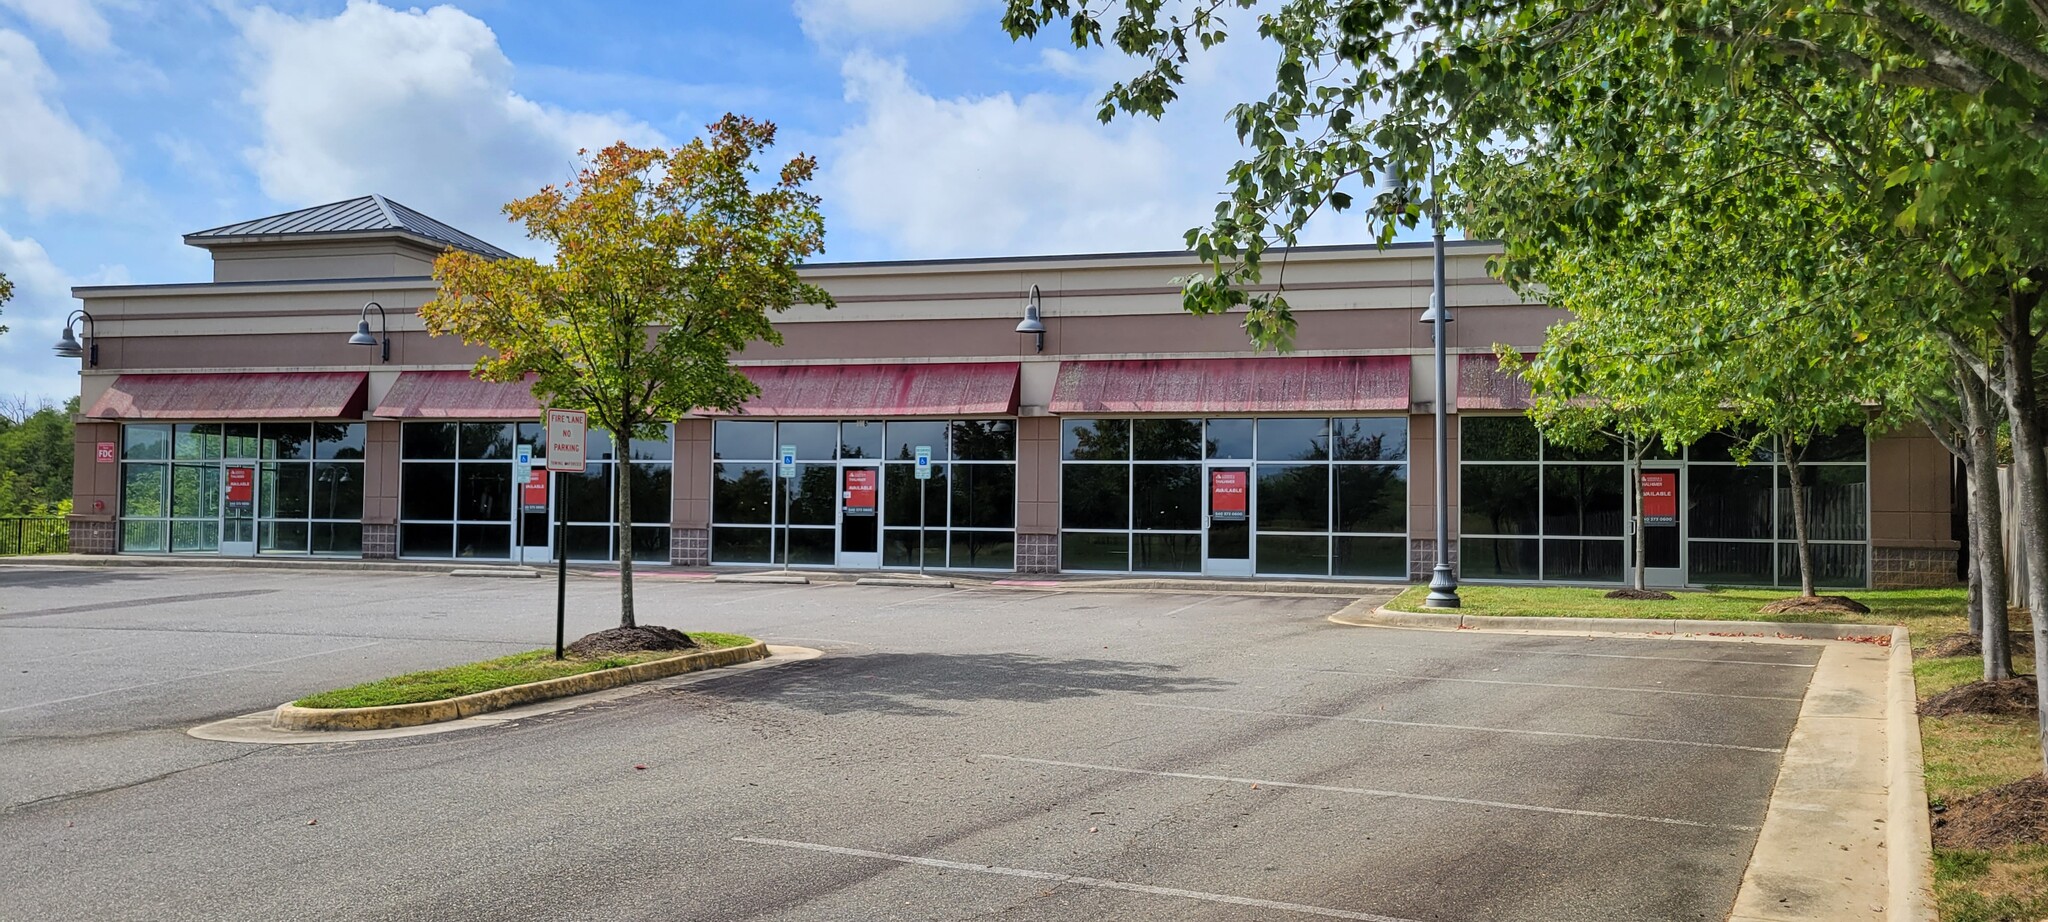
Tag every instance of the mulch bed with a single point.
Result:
(2010, 814)
(1642, 595)
(640, 639)
(2005, 696)
(1818, 603)
(1964, 643)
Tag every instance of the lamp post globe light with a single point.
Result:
(363, 336)
(1033, 323)
(1443, 584)
(68, 345)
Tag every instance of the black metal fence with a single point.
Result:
(33, 534)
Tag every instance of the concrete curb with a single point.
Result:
(247, 563)
(904, 582)
(1909, 838)
(292, 717)
(1364, 614)
(788, 578)
(498, 573)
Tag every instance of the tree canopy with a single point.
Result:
(665, 263)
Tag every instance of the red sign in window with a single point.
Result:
(241, 488)
(1660, 498)
(860, 490)
(535, 493)
(106, 453)
(1227, 495)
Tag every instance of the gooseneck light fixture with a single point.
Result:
(1032, 324)
(68, 345)
(363, 337)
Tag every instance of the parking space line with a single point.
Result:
(1438, 726)
(1055, 877)
(1615, 688)
(924, 598)
(196, 675)
(1374, 792)
(751, 596)
(1673, 659)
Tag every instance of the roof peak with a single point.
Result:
(371, 214)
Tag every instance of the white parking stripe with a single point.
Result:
(753, 596)
(1703, 661)
(1096, 882)
(196, 675)
(1614, 688)
(1437, 726)
(1373, 792)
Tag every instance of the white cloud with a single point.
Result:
(1002, 174)
(79, 21)
(35, 315)
(828, 21)
(46, 160)
(417, 105)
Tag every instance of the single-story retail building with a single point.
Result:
(237, 417)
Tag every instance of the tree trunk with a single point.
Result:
(622, 485)
(2017, 346)
(1799, 520)
(1987, 542)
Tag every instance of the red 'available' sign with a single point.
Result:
(860, 491)
(1227, 495)
(1660, 498)
(241, 487)
(536, 491)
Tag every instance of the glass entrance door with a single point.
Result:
(1228, 540)
(860, 520)
(1663, 527)
(238, 509)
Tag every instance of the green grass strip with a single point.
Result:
(1929, 612)
(503, 672)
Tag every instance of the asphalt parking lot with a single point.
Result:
(963, 754)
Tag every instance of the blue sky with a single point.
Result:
(131, 122)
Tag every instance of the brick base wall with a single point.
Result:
(689, 547)
(1910, 567)
(1038, 553)
(93, 537)
(1422, 559)
(380, 542)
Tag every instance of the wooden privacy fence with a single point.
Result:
(33, 534)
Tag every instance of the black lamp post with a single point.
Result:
(1443, 584)
(363, 337)
(68, 345)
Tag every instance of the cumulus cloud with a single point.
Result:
(34, 316)
(417, 105)
(828, 20)
(46, 160)
(79, 21)
(1002, 173)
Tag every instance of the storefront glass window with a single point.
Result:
(458, 493)
(299, 506)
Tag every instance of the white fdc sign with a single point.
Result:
(565, 440)
(924, 462)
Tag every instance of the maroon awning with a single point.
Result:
(282, 395)
(942, 389)
(1483, 386)
(456, 395)
(1272, 384)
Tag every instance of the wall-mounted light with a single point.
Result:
(1032, 324)
(363, 337)
(68, 345)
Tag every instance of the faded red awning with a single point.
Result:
(281, 395)
(456, 395)
(1273, 384)
(1483, 386)
(941, 389)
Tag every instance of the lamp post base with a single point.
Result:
(1443, 589)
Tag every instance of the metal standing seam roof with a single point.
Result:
(256, 395)
(367, 214)
(456, 395)
(937, 389)
(1266, 384)
(1483, 386)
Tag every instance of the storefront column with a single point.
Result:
(380, 490)
(95, 487)
(1422, 496)
(1038, 494)
(690, 515)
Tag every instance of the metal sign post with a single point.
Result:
(566, 433)
(787, 470)
(924, 475)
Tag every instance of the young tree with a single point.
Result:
(665, 263)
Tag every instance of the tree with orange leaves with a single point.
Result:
(665, 263)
